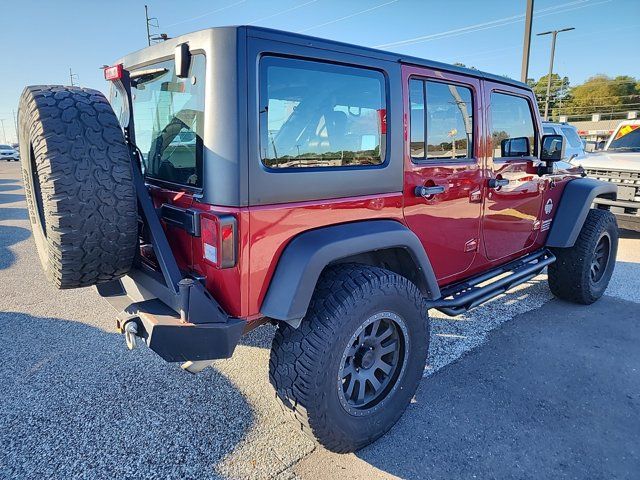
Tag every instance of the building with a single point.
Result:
(599, 128)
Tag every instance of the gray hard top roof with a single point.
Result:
(296, 38)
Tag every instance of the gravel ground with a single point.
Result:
(75, 403)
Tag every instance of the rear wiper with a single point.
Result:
(143, 76)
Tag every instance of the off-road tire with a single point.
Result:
(78, 185)
(305, 363)
(570, 276)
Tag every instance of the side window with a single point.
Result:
(572, 137)
(548, 131)
(513, 133)
(448, 117)
(169, 117)
(416, 101)
(314, 114)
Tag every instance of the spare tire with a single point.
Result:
(78, 184)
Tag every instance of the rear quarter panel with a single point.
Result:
(273, 226)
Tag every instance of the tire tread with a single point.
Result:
(89, 201)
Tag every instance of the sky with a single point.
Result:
(41, 40)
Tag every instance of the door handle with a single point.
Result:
(498, 182)
(425, 192)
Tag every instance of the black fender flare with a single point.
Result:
(576, 200)
(304, 258)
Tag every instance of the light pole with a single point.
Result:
(526, 47)
(554, 34)
(4, 134)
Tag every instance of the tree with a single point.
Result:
(603, 93)
(460, 64)
(558, 94)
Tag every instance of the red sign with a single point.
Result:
(382, 116)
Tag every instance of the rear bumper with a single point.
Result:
(167, 332)
(627, 212)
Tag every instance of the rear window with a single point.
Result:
(572, 137)
(626, 138)
(169, 121)
(314, 114)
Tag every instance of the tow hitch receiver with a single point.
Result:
(168, 335)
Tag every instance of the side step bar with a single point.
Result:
(460, 297)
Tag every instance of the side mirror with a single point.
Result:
(552, 148)
(182, 60)
(515, 147)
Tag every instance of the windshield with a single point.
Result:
(627, 138)
(168, 114)
(6, 147)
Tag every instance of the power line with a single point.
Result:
(565, 7)
(608, 96)
(208, 13)
(348, 16)
(283, 11)
(622, 107)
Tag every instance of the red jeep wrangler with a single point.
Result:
(241, 175)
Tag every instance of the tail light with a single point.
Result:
(218, 233)
(113, 73)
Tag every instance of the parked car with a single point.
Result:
(592, 145)
(336, 191)
(619, 163)
(8, 153)
(574, 147)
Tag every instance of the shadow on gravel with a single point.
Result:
(9, 187)
(261, 337)
(11, 198)
(13, 214)
(629, 234)
(9, 236)
(554, 393)
(75, 404)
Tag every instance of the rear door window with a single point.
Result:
(448, 118)
(315, 114)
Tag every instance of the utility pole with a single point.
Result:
(146, 16)
(15, 122)
(150, 22)
(72, 76)
(554, 34)
(526, 47)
